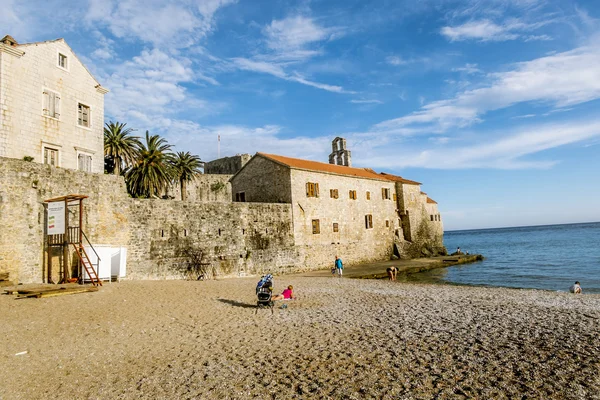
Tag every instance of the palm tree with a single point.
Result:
(120, 146)
(186, 167)
(151, 174)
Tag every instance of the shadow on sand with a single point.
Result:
(236, 303)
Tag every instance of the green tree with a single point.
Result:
(120, 146)
(186, 167)
(152, 173)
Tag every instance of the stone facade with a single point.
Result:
(235, 238)
(227, 165)
(354, 212)
(205, 188)
(290, 218)
(51, 112)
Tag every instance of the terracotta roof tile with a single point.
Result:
(323, 167)
(400, 179)
(431, 201)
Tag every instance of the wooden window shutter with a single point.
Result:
(307, 189)
(316, 190)
(395, 197)
(46, 109)
(383, 193)
(86, 116)
(56, 105)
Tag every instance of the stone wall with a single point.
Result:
(227, 165)
(237, 238)
(205, 188)
(23, 189)
(263, 181)
(25, 130)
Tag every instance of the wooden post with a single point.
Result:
(66, 244)
(80, 272)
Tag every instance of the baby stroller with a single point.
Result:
(264, 293)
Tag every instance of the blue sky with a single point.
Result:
(492, 104)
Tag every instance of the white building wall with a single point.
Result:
(25, 130)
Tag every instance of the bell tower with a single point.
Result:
(339, 154)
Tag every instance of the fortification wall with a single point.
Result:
(23, 189)
(205, 188)
(237, 238)
(227, 165)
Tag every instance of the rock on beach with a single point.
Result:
(342, 338)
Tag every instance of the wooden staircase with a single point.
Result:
(87, 264)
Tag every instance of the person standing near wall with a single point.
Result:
(339, 266)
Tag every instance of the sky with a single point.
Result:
(492, 104)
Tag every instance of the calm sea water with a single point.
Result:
(548, 257)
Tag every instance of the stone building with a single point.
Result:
(226, 165)
(52, 108)
(354, 211)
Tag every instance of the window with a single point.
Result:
(62, 61)
(368, 195)
(431, 217)
(51, 104)
(336, 227)
(240, 196)
(83, 118)
(333, 193)
(51, 156)
(385, 193)
(368, 221)
(352, 194)
(316, 226)
(312, 189)
(387, 223)
(84, 162)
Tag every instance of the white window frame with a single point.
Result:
(58, 54)
(89, 128)
(52, 146)
(45, 89)
(79, 152)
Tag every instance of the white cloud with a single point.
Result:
(468, 69)
(237, 139)
(178, 24)
(506, 152)
(486, 30)
(288, 44)
(295, 32)
(395, 60)
(149, 84)
(559, 80)
(278, 71)
(363, 101)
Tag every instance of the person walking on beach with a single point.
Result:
(576, 288)
(392, 271)
(339, 266)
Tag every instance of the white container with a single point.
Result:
(112, 264)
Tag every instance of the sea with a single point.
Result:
(550, 257)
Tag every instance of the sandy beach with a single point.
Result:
(342, 339)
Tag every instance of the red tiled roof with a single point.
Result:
(400, 179)
(431, 201)
(323, 167)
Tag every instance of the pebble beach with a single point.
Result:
(341, 339)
